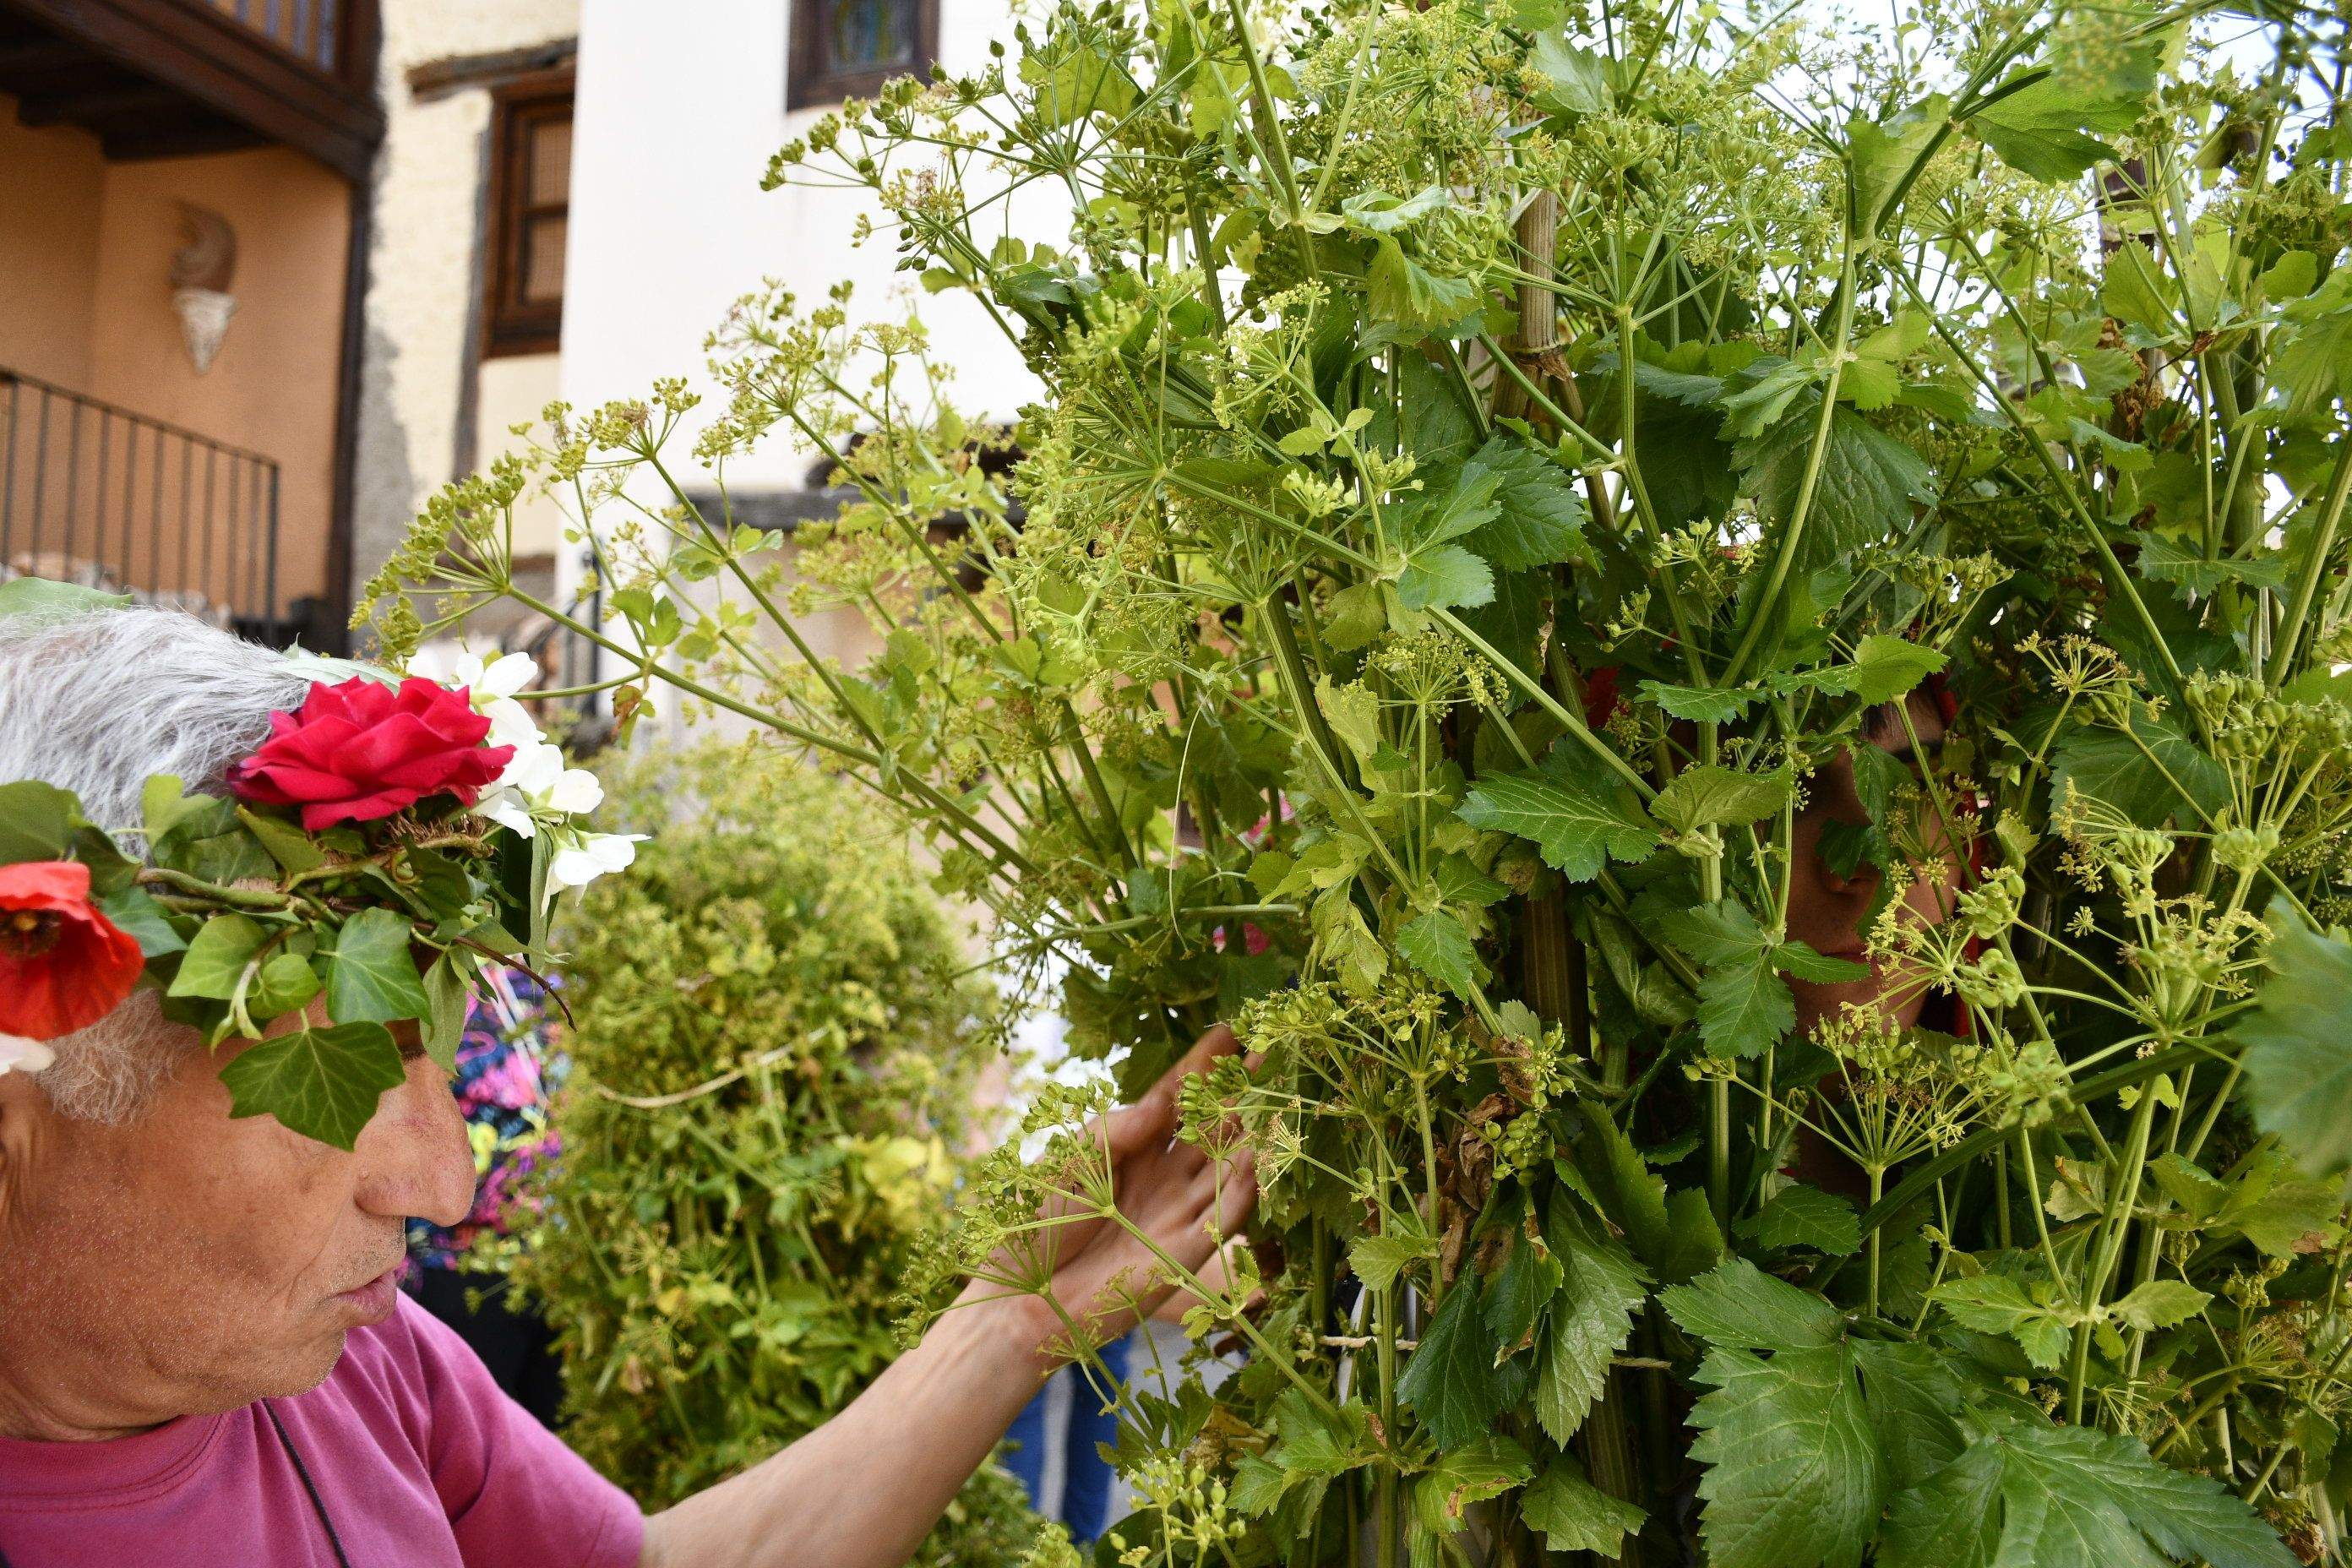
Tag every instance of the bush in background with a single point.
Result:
(775, 1046)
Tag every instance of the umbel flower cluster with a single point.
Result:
(1720, 639)
(390, 837)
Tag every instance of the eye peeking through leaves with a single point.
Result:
(1745, 724)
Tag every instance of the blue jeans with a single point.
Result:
(1056, 1437)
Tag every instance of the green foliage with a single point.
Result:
(774, 1051)
(1648, 602)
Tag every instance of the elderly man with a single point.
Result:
(202, 1356)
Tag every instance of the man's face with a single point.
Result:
(188, 1262)
(1829, 909)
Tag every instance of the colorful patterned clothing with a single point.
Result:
(508, 1066)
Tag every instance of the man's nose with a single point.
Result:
(417, 1161)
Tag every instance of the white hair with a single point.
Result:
(98, 703)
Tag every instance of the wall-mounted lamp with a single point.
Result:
(202, 271)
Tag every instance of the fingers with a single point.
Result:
(1153, 1119)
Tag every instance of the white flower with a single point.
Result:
(23, 1055)
(535, 786)
(490, 685)
(590, 855)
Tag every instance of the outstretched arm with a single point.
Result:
(863, 1491)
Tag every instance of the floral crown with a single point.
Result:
(389, 840)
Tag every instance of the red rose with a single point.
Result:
(361, 750)
(63, 965)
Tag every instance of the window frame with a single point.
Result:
(808, 86)
(511, 324)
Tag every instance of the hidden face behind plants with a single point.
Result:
(1919, 1130)
(336, 903)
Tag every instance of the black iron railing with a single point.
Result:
(96, 494)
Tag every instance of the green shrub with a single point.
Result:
(775, 1045)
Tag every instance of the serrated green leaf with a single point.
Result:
(1450, 1380)
(1884, 667)
(323, 1083)
(1578, 830)
(135, 911)
(288, 845)
(1539, 520)
(1801, 1215)
(1699, 704)
(1574, 1515)
(1379, 1260)
(1794, 1475)
(1592, 1317)
(1710, 796)
(1736, 1303)
(1487, 1466)
(2071, 1497)
(371, 977)
(1867, 483)
(1437, 944)
(2160, 1304)
(2146, 777)
(2298, 1055)
(1996, 1304)
(1529, 1280)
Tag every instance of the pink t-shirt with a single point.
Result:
(420, 1459)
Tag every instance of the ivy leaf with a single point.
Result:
(36, 820)
(371, 978)
(217, 958)
(1591, 1318)
(2071, 1497)
(1439, 946)
(1795, 1478)
(1738, 1304)
(1450, 1380)
(1710, 796)
(1578, 830)
(1801, 1215)
(323, 1083)
(1577, 1516)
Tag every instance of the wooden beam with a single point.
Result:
(437, 78)
(231, 68)
(81, 106)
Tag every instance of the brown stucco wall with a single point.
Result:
(93, 243)
(51, 185)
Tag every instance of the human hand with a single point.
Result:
(1176, 1204)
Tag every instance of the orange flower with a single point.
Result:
(63, 964)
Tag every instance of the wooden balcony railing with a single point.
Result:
(310, 30)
